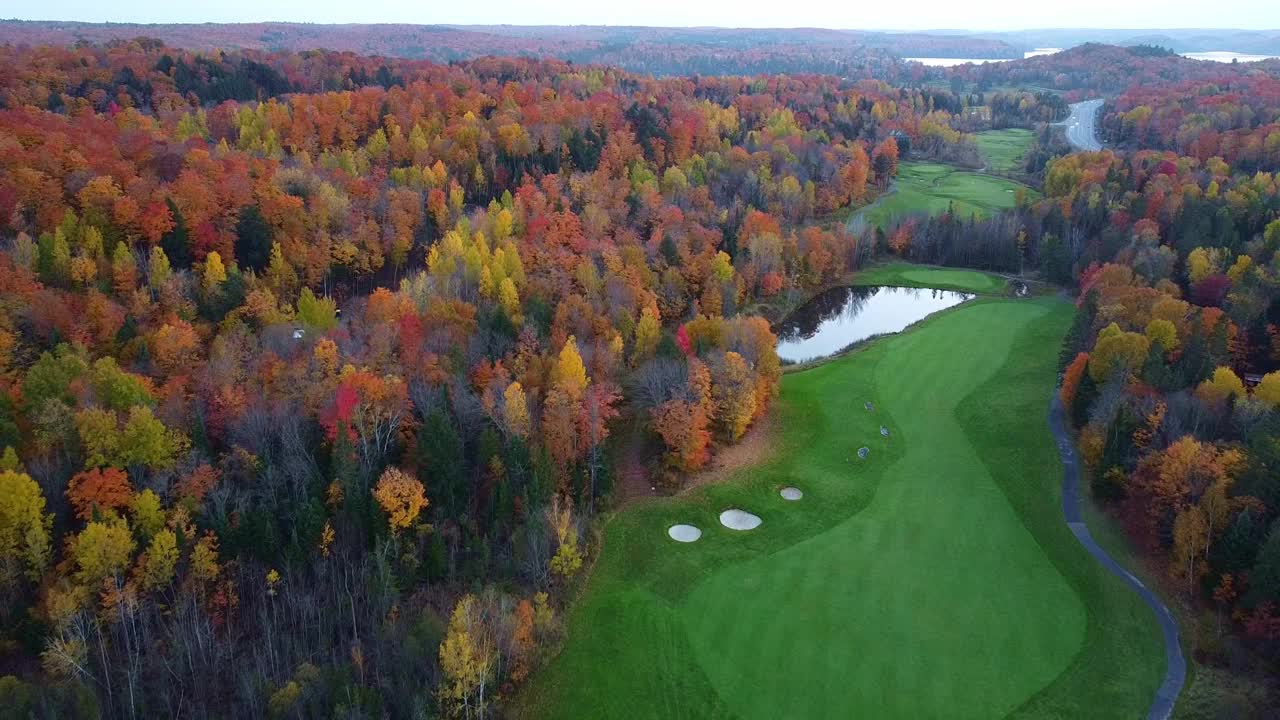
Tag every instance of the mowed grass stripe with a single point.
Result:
(1121, 662)
(929, 580)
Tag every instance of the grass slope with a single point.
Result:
(934, 579)
(1005, 150)
(931, 188)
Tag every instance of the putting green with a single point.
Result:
(1005, 150)
(923, 188)
(933, 579)
(908, 275)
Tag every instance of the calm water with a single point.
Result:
(1226, 56)
(952, 62)
(840, 317)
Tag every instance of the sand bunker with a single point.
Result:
(790, 493)
(684, 533)
(739, 520)
(862, 452)
(869, 407)
(884, 431)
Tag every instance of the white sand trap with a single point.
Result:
(884, 431)
(862, 452)
(790, 493)
(684, 533)
(739, 520)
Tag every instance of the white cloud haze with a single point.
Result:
(919, 15)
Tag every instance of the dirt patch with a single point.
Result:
(633, 480)
(753, 449)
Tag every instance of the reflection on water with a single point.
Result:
(840, 317)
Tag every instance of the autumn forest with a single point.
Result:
(320, 372)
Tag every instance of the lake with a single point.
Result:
(1216, 56)
(1226, 56)
(840, 317)
(952, 62)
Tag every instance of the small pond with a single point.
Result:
(840, 317)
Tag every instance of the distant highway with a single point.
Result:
(1080, 125)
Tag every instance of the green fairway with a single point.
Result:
(935, 578)
(1005, 150)
(931, 188)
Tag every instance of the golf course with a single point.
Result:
(1005, 150)
(926, 188)
(932, 578)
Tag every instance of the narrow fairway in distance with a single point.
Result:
(925, 188)
(1005, 150)
(935, 578)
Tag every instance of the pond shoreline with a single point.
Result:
(840, 317)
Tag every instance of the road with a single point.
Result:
(1081, 132)
(1175, 673)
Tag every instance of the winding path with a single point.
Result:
(1175, 666)
(1079, 125)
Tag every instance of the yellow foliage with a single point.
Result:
(1163, 332)
(467, 658)
(157, 565)
(101, 550)
(568, 559)
(1224, 384)
(515, 410)
(401, 497)
(1116, 348)
(648, 333)
(570, 374)
(24, 528)
(1268, 391)
(204, 558)
(215, 273)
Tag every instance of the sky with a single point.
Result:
(844, 14)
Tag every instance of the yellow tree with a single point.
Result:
(1190, 536)
(204, 559)
(148, 516)
(102, 550)
(1223, 385)
(568, 559)
(1200, 265)
(401, 497)
(215, 273)
(156, 566)
(1114, 349)
(1268, 391)
(510, 300)
(24, 529)
(570, 374)
(648, 333)
(467, 657)
(733, 391)
(1163, 332)
(515, 410)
